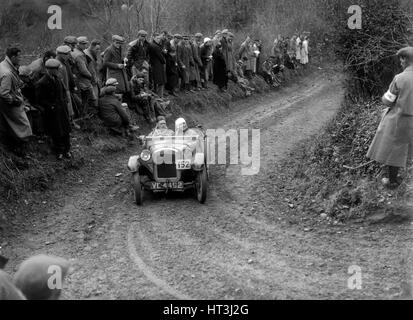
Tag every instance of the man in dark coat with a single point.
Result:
(185, 60)
(226, 44)
(113, 113)
(157, 62)
(63, 56)
(220, 69)
(114, 62)
(84, 77)
(195, 69)
(172, 67)
(138, 53)
(51, 95)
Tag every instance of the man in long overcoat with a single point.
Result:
(220, 73)
(114, 62)
(52, 96)
(392, 145)
(84, 77)
(172, 66)
(157, 62)
(195, 77)
(185, 59)
(14, 124)
(138, 53)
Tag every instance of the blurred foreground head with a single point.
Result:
(41, 277)
(8, 290)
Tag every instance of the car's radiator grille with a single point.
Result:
(166, 171)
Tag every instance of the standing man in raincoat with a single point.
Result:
(392, 145)
(115, 63)
(14, 124)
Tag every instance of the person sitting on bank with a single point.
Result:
(146, 100)
(113, 113)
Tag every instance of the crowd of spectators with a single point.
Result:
(79, 80)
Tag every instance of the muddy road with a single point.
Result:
(239, 245)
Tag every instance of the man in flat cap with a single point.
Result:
(113, 113)
(138, 53)
(206, 57)
(185, 61)
(115, 63)
(172, 66)
(84, 78)
(158, 64)
(41, 277)
(15, 127)
(38, 66)
(65, 72)
(393, 143)
(217, 38)
(70, 41)
(227, 51)
(94, 59)
(147, 101)
(52, 96)
(196, 48)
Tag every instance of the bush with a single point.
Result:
(369, 53)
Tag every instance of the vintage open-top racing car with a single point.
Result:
(171, 163)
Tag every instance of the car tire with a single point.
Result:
(201, 186)
(137, 189)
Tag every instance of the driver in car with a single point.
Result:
(161, 129)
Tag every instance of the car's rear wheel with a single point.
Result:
(138, 189)
(201, 186)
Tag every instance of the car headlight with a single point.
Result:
(146, 155)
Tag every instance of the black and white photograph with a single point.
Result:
(206, 155)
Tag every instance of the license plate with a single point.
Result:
(167, 185)
(183, 165)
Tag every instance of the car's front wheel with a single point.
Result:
(201, 186)
(138, 189)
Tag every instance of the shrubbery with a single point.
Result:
(369, 53)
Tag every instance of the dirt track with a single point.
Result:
(237, 246)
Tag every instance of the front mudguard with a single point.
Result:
(134, 164)
(137, 165)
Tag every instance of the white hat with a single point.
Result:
(118, 38)
(63, 49)
(207, 40)
(180, 124)
(82, 40)
(52, 64)
(111, 82)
